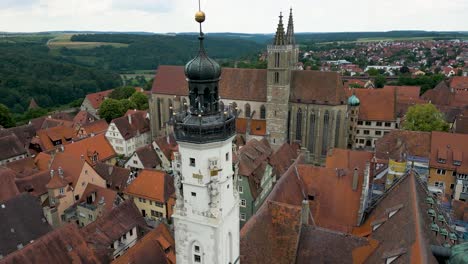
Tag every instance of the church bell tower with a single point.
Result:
(206, 215)
(282, 58)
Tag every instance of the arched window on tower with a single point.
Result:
(312, 132)
(299, 124)
(337, 129)
(247, 110)
(326, 124)
(262, 112)
(277, 59)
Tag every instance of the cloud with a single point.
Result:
(14, 4)
(158, 6)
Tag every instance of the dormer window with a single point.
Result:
(440, 160)
(457, 162)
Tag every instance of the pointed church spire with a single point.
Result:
(290, 38)
(279, 37)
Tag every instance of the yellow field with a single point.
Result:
(63, 41)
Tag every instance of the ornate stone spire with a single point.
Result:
(279, 37)
(290, 38)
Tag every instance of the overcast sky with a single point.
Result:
(249, 16)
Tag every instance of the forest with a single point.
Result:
(27, 70)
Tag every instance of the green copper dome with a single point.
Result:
(353, 100)
(202, 67)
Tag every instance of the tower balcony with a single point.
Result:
(200, 129)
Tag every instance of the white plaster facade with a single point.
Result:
(125, 242)
(206, 217)
(368, 132)
(123, 146)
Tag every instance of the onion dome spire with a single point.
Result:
(290, 38)
(279, 37)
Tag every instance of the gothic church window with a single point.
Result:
(299, 124)
(158, 110)
(312, 132)
(262, 112)
(326, 124)
(247, 110)
(337, 129)
(277, 59)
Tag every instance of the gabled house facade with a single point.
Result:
(128, 133)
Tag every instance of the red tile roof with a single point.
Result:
(116, 177)
(459, 83)
(107, 229)
(90, 146)
(48, 135)
(148, 157)
(11, 147)
(8, 187)
(377, 104)
(96, 99)
(42, 161)
(444, 95)
(129, 126)
(158, 246)
(167, 145)
(96, 127)
(282, 159)
(153, 185)
(83, 117)
(251, 85)
(63, 245)
(35, 183)
(445, 145)
(399, 142)
(102, 195)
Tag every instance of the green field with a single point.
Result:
(63, 41)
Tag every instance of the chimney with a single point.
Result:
(110, 170)
(60, 172)
(51, 173)
(130, 119)
(305, 212)
(355, 179)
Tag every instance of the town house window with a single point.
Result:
(242, 216)
(366, 132)
(368, 123)
(441, 171)
(359, 123)
(243, 203)
(388, 124)
(378, 133)
(192, 162)
(378, 124)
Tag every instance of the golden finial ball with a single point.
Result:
(200, 17)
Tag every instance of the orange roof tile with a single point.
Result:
(377, 104)
(459, 83)
(42, 160)
(89, 146)
(48, 135)
(107, 196)
(96, 127)
(96, 99)
(158, 246)
(83, 117)
(257, 126)
(153, 185)
(446, 146)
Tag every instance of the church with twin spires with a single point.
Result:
(293, 105)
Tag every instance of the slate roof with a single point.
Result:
(158, 246)
(153, 185)
(116, 177)
(129, 126)
(399, 142)
(148, 157)
(446, 146)
(251, 85)
(63, 245)
(21, 221)
(11, 147)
